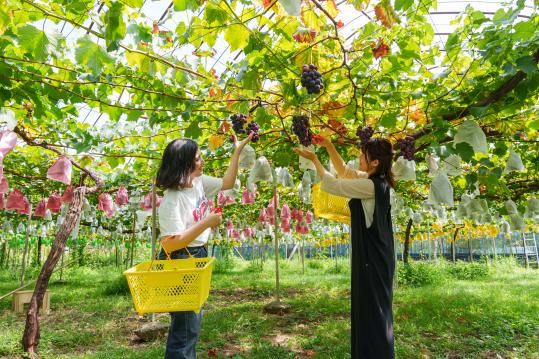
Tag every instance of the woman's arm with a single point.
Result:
(342, 169)
(350, 188)
(179, 241)
(230, 176)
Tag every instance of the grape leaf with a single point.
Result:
(90, 54)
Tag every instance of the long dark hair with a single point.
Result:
(380, 149)
(177, 164)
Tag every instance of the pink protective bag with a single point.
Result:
(15, 200)
(146, 203)
(271, 210)
(105, 204)
(8, 141)
(285, 212)
(121, 196)
(4, 185)
(262, 217)
(224, 200)
(67, 197)
(26, 209)
(61, 171)
(2, 201)
(54, 202)
(285, 225)
(247, 232)
(41, 208)
(309, 217)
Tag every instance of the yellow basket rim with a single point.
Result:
(133, 270)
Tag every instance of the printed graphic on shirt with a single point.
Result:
(202, 208)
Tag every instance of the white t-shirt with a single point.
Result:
(181, 209)
(354, 184)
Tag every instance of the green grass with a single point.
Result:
(458, 311)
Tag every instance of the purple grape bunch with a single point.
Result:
(364, 134)
(301, 128)
(238, 123)
(406, 146)
(254, 128)
(311, 79)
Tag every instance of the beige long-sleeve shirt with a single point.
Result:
(353, 184)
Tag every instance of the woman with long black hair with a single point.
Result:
(185, 222)
(373, 256)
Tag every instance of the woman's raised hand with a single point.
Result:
(241, 144)
(305, 153)
(321, 140)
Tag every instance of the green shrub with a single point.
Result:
(468, 271)
(223, 265)
(117, 286)
(417, 274)
(336, 269)
(315, 264)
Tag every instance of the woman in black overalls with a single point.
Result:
(373, 256)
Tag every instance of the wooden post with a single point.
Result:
(154, 218)
(470, 246)
(276, 226)
(133, 236)
(26, 244)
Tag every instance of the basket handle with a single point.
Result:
(168, 254)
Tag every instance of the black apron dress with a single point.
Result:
(373, 267)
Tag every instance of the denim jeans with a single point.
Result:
(184, 326)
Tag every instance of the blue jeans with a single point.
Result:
(184, 326)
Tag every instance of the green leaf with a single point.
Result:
(193, 131)
(389, 120)
(478, 111)
(527, 65)
(237, 36)
(133, 3)
(34, 41)
(282, 158)
(251, 81)
(500, 149)
(90, 54)
(115, 26)
(4, 20)
(140, 32)
(182, 5)
(403, 4)
(214, 13)
(465, 151)
(261, 117)
(524, 31)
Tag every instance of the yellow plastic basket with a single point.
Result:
(175, 285)
(329, 206)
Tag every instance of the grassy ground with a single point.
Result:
(494, 313)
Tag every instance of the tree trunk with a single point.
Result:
(406, 250)
(31, 335)
(39, 244)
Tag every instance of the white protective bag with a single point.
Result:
(247, 158)
(404, 170)
(451, 165)
(470, 132)
(514, 163)
(441, 190)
